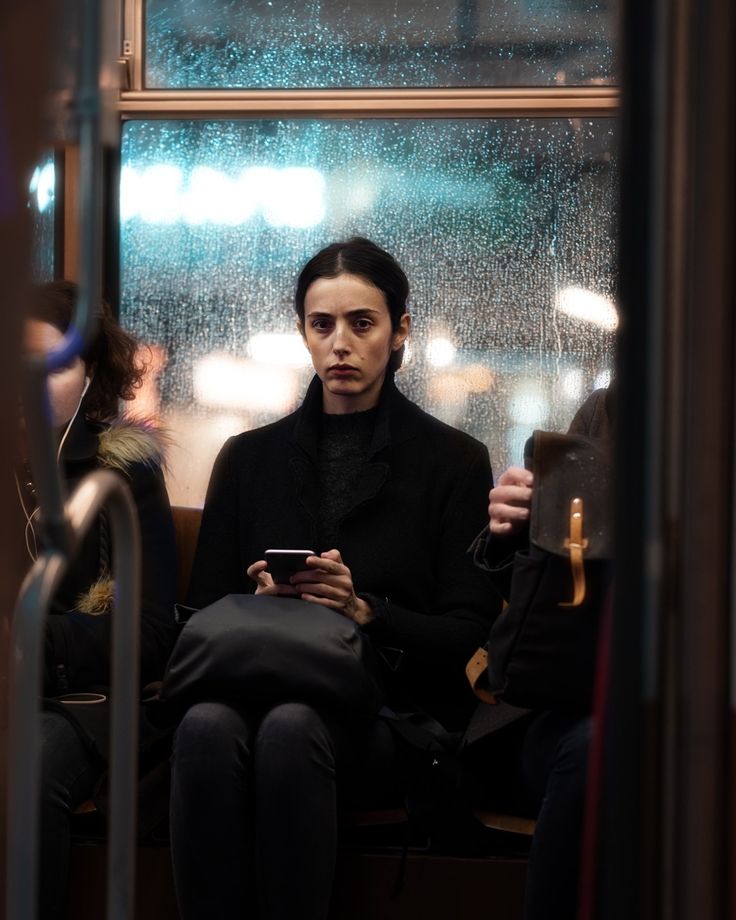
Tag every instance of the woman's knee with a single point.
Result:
(575, 746)
(67, 770)
(297, 732)
(213, 732)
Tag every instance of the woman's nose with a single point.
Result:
(341, 342)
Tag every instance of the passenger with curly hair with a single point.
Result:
(84, 400)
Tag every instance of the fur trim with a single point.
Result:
(132, 440)
(97, 598)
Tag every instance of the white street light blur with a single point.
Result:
(588, 306)
(225, 382)
(282, 348)
(293, 196)
(42, 185)
(440, 351)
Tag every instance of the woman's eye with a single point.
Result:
(320, 325)
(363, 324)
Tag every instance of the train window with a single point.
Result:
(385, 43)
(506, 228)
(41, 204)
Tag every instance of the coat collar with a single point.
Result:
(395, 417)
(395, 422)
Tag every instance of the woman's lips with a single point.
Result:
(343, 370)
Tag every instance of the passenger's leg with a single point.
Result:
(297, 756)
(555, 759)
(209, 813)
(68, 775)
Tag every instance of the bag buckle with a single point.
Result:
(576, 544)
(476, 670)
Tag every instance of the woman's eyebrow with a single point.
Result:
(359, 311)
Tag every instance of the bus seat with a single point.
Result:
(186, 527)
(512, 824)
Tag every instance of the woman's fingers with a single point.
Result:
(510, 501)
(256, 567)
(265, 583)
(257, 572)
(515, 476)
(324, 602)
(325, 589)
(509, 495)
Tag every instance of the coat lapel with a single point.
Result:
(394, 422)
(304, 463)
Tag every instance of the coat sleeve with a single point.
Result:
(495, 555)
(217, 568)
(78, 645)
(464, 602)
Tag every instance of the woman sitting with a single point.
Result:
(389, 498)
(84, 398)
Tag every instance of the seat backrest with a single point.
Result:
(186, 525)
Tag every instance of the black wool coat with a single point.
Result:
(420, 498)
(78, 633)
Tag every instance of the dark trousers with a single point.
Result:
(68, 777)
(554, 763)
(254, 807)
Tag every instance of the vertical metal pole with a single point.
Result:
(97, 489)
(24, 770)
(23, 82)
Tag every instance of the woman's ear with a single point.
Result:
(401, 334)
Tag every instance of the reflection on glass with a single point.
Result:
(345, 43)
(500, 225)
(41, 203)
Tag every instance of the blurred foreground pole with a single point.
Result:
(25, 45)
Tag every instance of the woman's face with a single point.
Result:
(66, 384)
(347, 329)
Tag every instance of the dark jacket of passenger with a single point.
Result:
(420, 498)
(78, 635)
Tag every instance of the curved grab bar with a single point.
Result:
(101, 488)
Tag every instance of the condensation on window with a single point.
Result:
(506, 230)
(41, 205)
(384, 43)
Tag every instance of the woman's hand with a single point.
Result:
(266, 585)
(510, 502)
(328, 581)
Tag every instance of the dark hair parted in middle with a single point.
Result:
(361, 257)
(111, 358)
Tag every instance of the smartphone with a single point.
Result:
(283, 563)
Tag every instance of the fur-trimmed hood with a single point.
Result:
(121, 444)
(131, 440)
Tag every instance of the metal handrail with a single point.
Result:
(63, 524)
(88, 115)
(99, 489)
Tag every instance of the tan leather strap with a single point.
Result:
(476, 670)
(576, 544)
